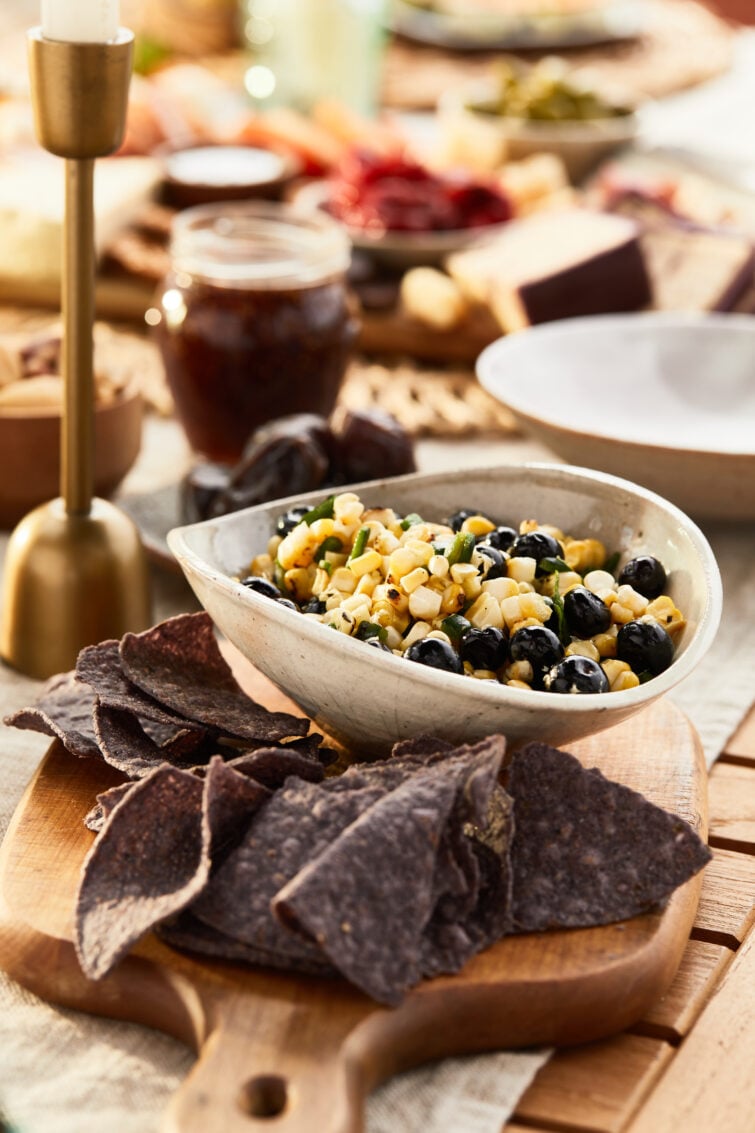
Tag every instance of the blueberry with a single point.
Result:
(538, 645)
(314, 606)
(645, 646)
(645, 575)
(576, 674)
(456, 520)
(376, 643)
(536, 545)
(287, 602)
(484, 648)
(502, 538)
(290, 519)
(436, 653)
(261, 586)
(586, 613)
(496, 565)
(553, 622)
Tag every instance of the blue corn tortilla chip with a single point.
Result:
(274, 765)
(188, 933)
(587, 850)
(230, 800)
(105, 804)
(141, 867)
(63, 709)
(178, 663)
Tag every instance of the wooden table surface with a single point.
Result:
(689, 1064)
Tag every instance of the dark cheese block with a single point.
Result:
(557, 265)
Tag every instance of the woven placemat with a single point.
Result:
(682, 44)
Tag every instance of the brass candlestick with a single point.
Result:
(76, 572)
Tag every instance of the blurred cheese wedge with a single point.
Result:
(556, 265)
(32, 209)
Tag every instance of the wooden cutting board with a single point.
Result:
(307, 1050)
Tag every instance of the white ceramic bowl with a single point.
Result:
(370, 699)
(581, 145)
(664, 399)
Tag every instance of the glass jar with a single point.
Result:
(254, 320)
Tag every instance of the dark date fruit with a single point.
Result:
(576, 674)
(645, 646)
(200, 489)
(645, 575)
(371, 446)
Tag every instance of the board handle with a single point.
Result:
(273, 1066)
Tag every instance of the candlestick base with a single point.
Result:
(71, 581)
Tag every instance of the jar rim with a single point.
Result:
(259, 243)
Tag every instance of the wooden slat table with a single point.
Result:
(689, 1064)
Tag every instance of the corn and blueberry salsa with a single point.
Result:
(528, 608)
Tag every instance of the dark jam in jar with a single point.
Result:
(255, 320)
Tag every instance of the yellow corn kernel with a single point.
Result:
(625, 680)
(439, 635)
(599, 582)
(583, 649)
(620, 615)
(525, 587)
(460, 572)
(322, 529)
(299, 582)
(605, 643)
(472, 587)
(663, 611)
(342, 579)
(517, 684)
(524, 624)
(438, 566)
(628, 596)
(416, 633)
(424, 603)
(332, 598)
(477, 525)
(392, 637)
(298, 548)
(347, 509)
(401, 562)
(367, 583)
(273, 544)
(386, 542)
(615, 669)
(415, 578)
(584, 554)
(422, 551)
(262, 565)
(519, 671)
(365, 563)
(528, 525)
(453, 599)
(484, 675)
(385, 516)
(501, 588)
(468, 668)
(521, 569)
(556, 532)
(567, 580)
(485, 611)
(533, 606)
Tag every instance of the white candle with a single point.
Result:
(80, 21)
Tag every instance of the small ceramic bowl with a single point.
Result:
(369, 699)
(30, 447)
(581, 145)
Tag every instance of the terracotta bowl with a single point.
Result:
(30, 448)
(371, 699)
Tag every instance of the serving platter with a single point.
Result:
(305, 1050)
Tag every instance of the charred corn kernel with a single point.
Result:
(321, 581)
(663, 611)
(424, 603)
(511, 609)
(342, 579)
(605, 643)
(438, 566)
(387, 617)
(500, 588)
(354, 602)
(584, 554)
(533, 606)
(415, 578)
(439, 635)
(299, 582)
(599, 582)
(386, 542)
(422, 551)
(620, 615)
(262, 564)
(583, 649)
(341, 620)
(401, 562)
(484, 612)
(477, 525)
(367, 583)
(517, 684)
(332, 598)
(347, 509)
(460, 572)
(365, 563)
(298, 548)
(519, 671)
(484, 675)
(628, 596)
(618, 674)
(522, 569)
(453, 599)
(416, 633)
(322, 529)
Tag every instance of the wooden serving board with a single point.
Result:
(308, 1050)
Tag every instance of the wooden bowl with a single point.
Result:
(30, 447)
